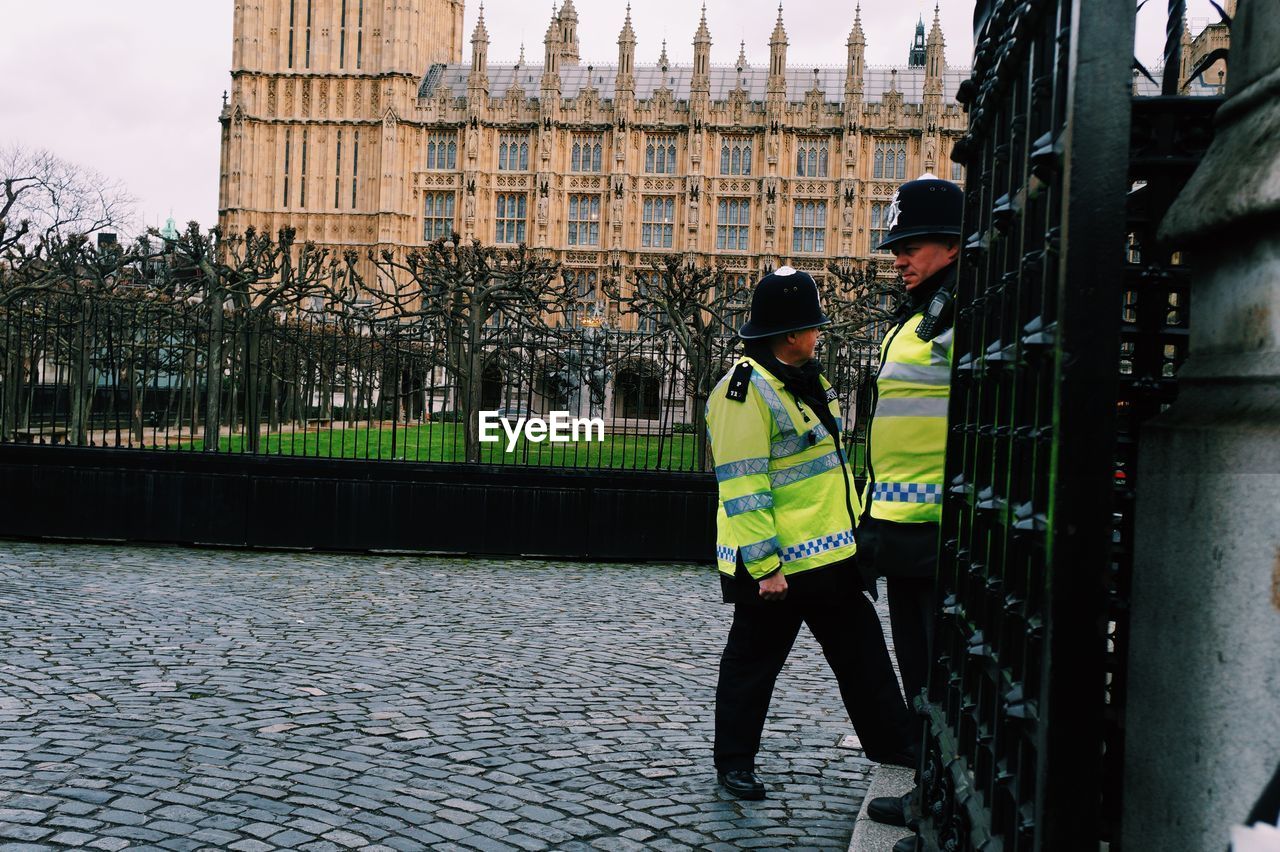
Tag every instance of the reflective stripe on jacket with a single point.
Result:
(909, 426)
(781, 477)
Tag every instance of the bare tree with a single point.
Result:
(452, 289)
(244, 282)
(860, 304)
(689, 304)
(42, 195)
(78, 279)
(48, 208)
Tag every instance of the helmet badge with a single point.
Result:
(891, 215)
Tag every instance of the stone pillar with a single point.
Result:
(1204, 669)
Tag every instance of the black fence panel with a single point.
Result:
(1071, 325)
(1017, 694)
(343, 505)
(143, 373)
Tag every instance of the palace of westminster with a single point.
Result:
(358, 123)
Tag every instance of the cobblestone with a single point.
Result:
(212, 699)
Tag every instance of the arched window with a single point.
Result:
(584, 220)
(733, 219)
(587, 151)
(890, 160)
(809, 227)
(660, 154)
(513, 152)
(735, 155)
(511, 218)
(811, 158)
(442, 150)
(491, 387)
(879, 217)
(636, 390)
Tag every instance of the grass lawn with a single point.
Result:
(442, 442)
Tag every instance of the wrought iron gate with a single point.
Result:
(1066, 339)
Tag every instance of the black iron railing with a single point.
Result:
(143, 373)
(1072, 323)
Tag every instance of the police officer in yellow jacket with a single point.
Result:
(908, 434)
(785, 540)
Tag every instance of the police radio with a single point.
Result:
(937, 315)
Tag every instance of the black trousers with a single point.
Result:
(911, 607)
(849, 632)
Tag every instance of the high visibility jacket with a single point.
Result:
(909, 425)
(785, 487)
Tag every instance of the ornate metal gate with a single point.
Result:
(1071, 324)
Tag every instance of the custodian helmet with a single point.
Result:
(925, 207)
(784, 300)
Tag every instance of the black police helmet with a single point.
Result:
(784, 300)
(925, 207)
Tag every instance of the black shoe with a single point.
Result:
(742, 783)
(894, 810)
(908, 844)
(889, 810)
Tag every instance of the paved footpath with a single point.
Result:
(197, 699)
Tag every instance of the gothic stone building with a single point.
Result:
(359, 123)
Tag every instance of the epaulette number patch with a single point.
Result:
(832, 394)
(739, 382)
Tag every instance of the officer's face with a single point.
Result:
(805, 343)
(917, 260)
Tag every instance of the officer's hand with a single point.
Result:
(774, 587)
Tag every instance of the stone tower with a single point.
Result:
(382, 136)
(311, 132)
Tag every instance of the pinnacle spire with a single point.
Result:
(703, 31)
(628, 35)
(855, 35)
(779, 32)
(742, 54)
(935, 32)
(481, 32)
(663, 62)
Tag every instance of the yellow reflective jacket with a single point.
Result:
(783, 481)
(909, 426)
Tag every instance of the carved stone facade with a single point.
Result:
(749, 167)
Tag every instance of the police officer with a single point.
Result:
(908, 433)
(784, 538)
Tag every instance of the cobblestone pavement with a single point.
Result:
(195, 699)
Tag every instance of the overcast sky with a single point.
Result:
(132, 88)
